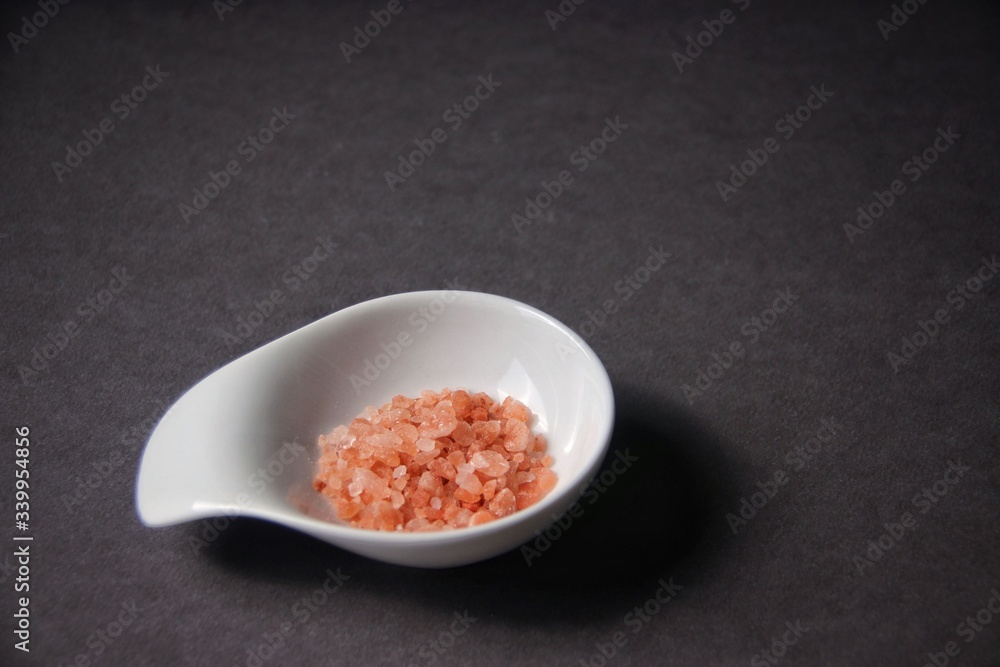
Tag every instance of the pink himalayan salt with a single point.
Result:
(490, 463)
(444, 460)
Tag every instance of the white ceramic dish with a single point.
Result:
(243, 440)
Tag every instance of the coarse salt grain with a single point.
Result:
(444, 460)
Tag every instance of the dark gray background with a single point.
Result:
(825, 358)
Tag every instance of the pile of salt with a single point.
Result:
(444, 460)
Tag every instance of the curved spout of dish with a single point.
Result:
(193, 466)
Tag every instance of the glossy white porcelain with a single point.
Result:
(243, 440)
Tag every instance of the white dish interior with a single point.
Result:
(243, 441)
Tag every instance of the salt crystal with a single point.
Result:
(489, 463)
(397, 499)
(463, 435)
(420, 498)
(486, 431)
(442, 468)
(481, 517)
(466, 478)
(441, 422)
(430, 482)
(461, 518)
(384, 439)
(503, 503)
(517, 437)
(423, 458)
(406, 432)
(466, 496)
(442, 461)
(515, 409)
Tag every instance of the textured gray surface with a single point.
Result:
(188, 283)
